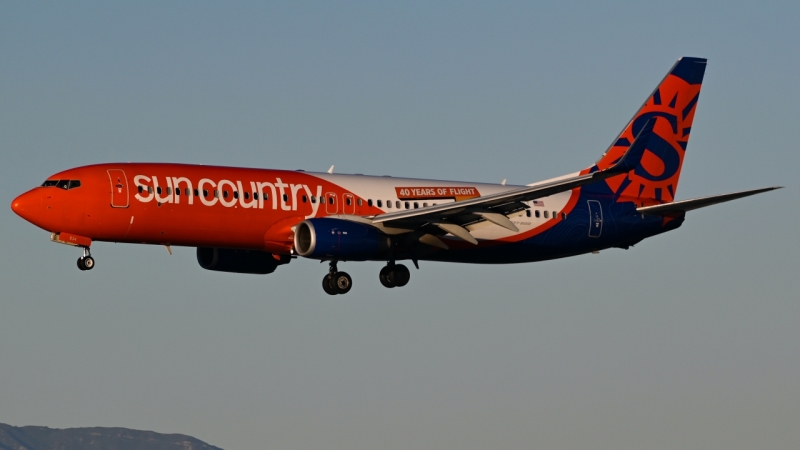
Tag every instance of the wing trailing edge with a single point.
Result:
(677, 208)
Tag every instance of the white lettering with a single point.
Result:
(168, 198)
(203, 198)
(261, 186)
(295, 188)
(243, 195)
(137, 180)
(281, 186)
(176, 183)
(227, 200)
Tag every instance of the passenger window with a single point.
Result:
(216, 193)
(536, 213)
(546, 215)
(305, 199)
(235, 194)
(149, 189)
(265, 196)
(388, 203)
(247, 196)
(255, 195)
(349, 201)
(285, 197)
(330, 200)
(416, 205)
(359, 202)
(140, 189)
(380, 204)
(158, 189)
(205, 192)
(177, 191)
(313, 199)
(187, 191)
(169, 191)
(564, 216)
(424, 205)
(225, 194)
(196, 193)
(369, 202)
(555, 215)
(397, 203)
(528, 212)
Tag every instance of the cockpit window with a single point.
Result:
(63, 184)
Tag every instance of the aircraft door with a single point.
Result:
(349, 206)
(330, 203)
(595, 219)
(119, 188)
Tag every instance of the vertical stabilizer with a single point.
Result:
(672, 105)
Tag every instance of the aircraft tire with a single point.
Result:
(88, 263)
(327, 285)
(400, 275)
(384, 277)
(342, 282)
(80, 264)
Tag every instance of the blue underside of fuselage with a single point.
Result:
(621, 226)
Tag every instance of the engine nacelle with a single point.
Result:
(238, 261)
(338, 239)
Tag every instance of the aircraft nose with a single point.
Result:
(24, 204)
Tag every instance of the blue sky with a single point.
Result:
(690, 339)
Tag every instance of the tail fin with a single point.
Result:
(672, 106)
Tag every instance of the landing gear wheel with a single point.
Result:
(384, 277)
(342, 282)
(400, 275)
(88, 262)
(80, 264)
(327, 285)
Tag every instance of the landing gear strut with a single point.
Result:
(394, 275)
(86, 262)
(336, 282)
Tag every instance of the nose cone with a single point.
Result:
(25, 204)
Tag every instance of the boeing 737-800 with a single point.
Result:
(254, 220)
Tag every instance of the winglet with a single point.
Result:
(330, 170)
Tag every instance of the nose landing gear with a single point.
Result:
(394, 275)
(86, 262)
(336, 282)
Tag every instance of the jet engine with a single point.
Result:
(238, 261)
(339, 240)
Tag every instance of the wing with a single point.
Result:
(453, 217)
(677, 208)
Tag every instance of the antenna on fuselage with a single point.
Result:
(331, 169)
(503, 182)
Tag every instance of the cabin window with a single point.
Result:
(265, 196)
(305, 199)
(158, 189)
(331, 199)
(536, 213)
(388, 203)
(369, 202)
(149, 189)
(349, 201)
(555, 215)
(527, 212)
(140, 189)
(416, 205)
(205, 192)
(397, 203)
(216, 193)
(313, 199)
(247, 196)
(225, 194)
(169, 191)
(424, 205)
(255, 195)
(546, 215)
(235, 194)
(177, 191)
(359, 202)
(380, 204)
(196, 193)
(285, 197)
(564, 216)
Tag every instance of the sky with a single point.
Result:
(689, 339)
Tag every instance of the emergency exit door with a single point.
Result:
(119, 188)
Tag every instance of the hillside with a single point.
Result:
(43, 438)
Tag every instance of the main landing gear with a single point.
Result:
(336, 282)
(86, 262)
(394, 275)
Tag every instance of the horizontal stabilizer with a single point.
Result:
(677, 208)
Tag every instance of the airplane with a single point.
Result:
(251, 221)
